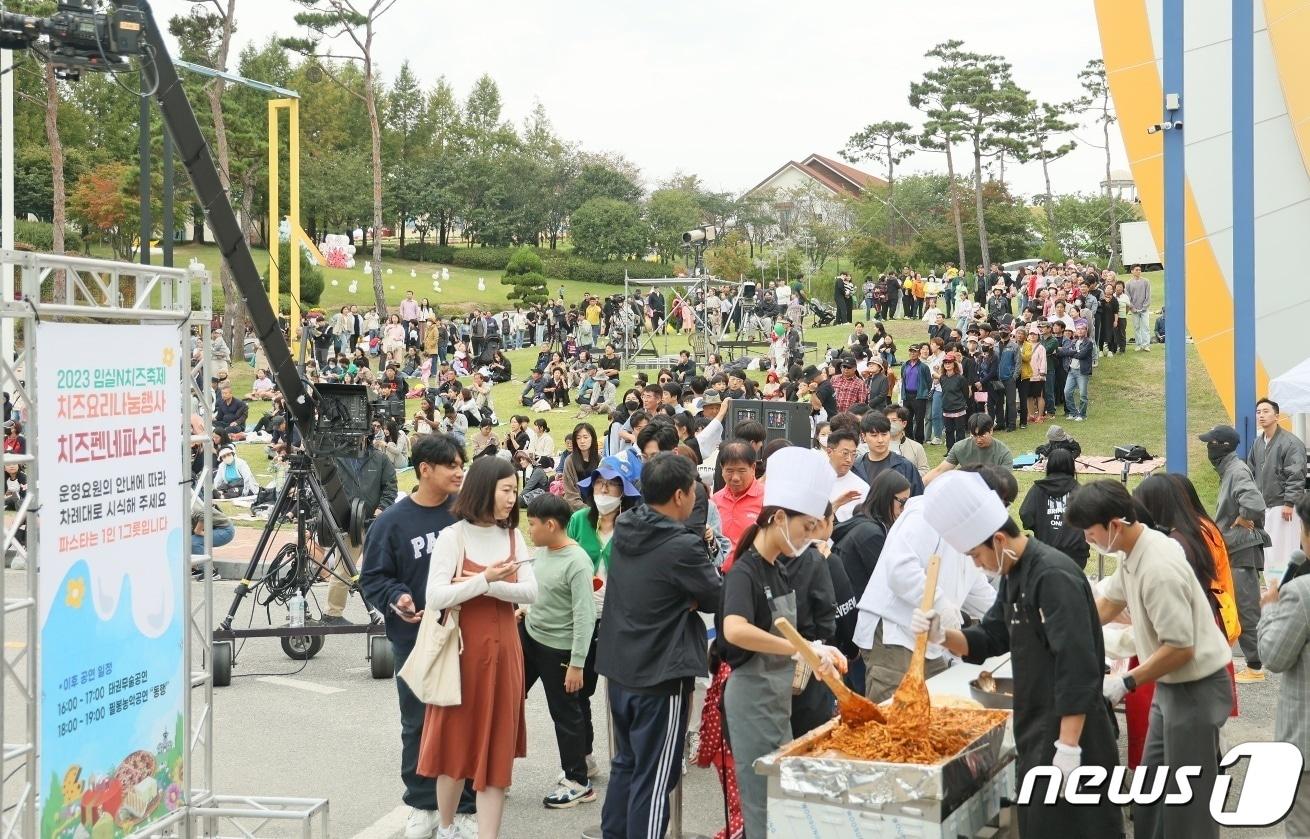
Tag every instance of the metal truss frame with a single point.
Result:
(94, 290)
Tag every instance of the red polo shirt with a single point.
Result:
(739, 511)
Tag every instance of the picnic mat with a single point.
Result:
(1106, 467)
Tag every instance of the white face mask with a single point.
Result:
(823, 439)
(794, 550)
(1109, 550)
(897, 428)
(606, 504)
(994, 577)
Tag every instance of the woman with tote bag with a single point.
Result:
(480, 564)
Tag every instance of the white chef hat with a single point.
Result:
(963, 510)
(800, 480)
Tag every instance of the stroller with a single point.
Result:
(823, 313)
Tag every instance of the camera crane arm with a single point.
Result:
(78, 38)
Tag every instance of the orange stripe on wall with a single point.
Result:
(1138, 94)
(1289, 31)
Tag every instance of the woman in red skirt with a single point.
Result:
(480, 564)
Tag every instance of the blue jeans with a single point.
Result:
(938, 424)
(222, 535)
(1077, 382)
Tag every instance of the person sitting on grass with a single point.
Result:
(263, 388)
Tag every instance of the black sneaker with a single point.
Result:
(198, 574)
(334, 620)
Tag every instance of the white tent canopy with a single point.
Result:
(1292, 389)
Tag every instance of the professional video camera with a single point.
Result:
(78, 36)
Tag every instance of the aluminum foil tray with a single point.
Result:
(937, 789)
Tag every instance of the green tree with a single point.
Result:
(729, 258)
(404, 144)
(523, 275)
(887, 142)
(606, 228)
(1038, 133)
(596, 180)
(1096, 101)
(982, 100)
(670, 213)
(333, 21)
(941, 131)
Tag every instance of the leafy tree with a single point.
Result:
(606, 228)
(981, 98)
(523, 274)
(887, 142)
(596, 180)
(873, 255)
(729, 258)
(331, 20)
(942, 129)
(1081, 224)
(1097, 102)
(758, 216)
(404, 144)
(670, 213)
(107, 202)
(1038, 133)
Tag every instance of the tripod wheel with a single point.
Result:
(382, 662)
(302, 647)
(221, 663)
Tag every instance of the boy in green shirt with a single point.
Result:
(556, 636)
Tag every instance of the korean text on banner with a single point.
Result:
(114, 544)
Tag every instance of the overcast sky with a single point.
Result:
(726, 89)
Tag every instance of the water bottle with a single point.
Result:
(296, 606)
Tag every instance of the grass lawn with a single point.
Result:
(458, 294)
(1126, 396)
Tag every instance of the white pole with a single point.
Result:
(7, 195)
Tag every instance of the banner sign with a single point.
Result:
(114, 543)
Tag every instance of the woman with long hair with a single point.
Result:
(1032, 374)
(757, 699)
(581, 462)
(955, 389)
(482, 565)
(859, 539)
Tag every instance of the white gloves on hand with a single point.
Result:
(1114, 689)
(833, 659)
(1067, 758)
(929, 622)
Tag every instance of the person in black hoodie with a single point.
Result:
(651, 645)
(1042, 510)
(394, 579)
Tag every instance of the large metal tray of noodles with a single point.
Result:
(936, 789)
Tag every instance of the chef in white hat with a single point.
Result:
(756, 592)
(1046, 618)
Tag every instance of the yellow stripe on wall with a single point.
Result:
(1138, 94)
(1289, 31)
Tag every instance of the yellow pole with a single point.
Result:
(293, 211)
(273, 210)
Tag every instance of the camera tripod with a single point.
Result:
(292, 570)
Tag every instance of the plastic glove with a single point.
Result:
(950, 614)
(1067, 758)
(1114, 689)
(831, 657)
(929, 622)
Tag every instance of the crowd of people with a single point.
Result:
(648, 521)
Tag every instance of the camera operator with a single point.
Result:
(320, 334)
(367, 476)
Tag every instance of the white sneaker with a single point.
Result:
(421, 823)
(451, 832)
(593, 771)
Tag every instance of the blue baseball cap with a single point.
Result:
(611, 468)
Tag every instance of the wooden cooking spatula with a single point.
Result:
(912, 704)
(853, 708)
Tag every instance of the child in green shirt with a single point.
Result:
(556, 635)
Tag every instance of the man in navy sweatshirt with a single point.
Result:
(394, 579)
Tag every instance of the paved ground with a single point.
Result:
(329, 730)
